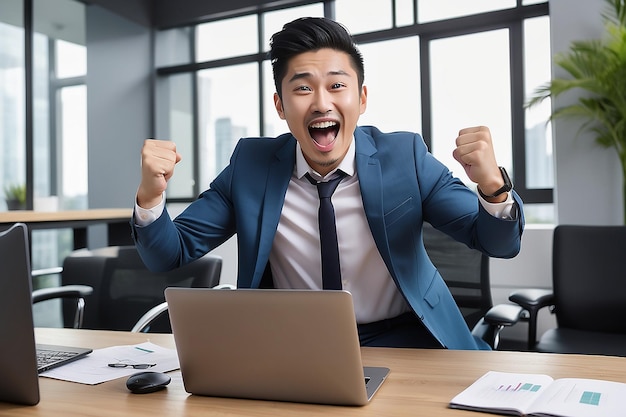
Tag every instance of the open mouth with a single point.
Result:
(324, 134)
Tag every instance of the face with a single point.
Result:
(321, 102)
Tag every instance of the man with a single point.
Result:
(392, 185)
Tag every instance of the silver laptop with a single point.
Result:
(282, 345)
(20, 359)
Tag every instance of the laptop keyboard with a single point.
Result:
(46, 357)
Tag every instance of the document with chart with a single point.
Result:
(542, 396)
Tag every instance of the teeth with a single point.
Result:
(322, 125)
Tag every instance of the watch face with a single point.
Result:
(508, 184)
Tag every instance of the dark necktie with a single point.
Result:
(331, 273)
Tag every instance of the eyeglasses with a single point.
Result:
(132, 365)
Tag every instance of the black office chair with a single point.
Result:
(466, 272)
(588, 296)
(124, 289)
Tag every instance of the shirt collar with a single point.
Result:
(346, 165)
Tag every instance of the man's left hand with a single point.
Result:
(474, 151)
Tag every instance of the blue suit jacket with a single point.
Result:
(402, 185)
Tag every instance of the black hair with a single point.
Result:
(311, 34)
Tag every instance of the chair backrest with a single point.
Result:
(589, 277)
(124, 289)
(465, 271)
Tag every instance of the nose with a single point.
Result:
(322, 102)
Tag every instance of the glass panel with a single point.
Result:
(394, 94)
(357, 15)
(539, 158)
(227, 38)
(173, 47)
(539, 213)
(74, 157)
(404, 12)
(429, 10)
(274, 21)
(175, 122)
(229, 110)
(471, 87)
(59, 109)
(71, 59)
(12, 139)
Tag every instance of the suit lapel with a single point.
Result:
(371, 184)
(277, 181)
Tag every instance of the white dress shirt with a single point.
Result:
(295, 255)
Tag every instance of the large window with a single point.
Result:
(59, 120)
(470, 79)
(12, 99)
(431, 66)
(43, 118)
(60, 105)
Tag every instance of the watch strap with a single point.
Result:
(508, 185)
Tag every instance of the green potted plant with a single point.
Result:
(598, 68)
(15, 196)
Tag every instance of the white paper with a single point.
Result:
(94, 368)
(539, 395)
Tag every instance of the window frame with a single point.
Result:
(511, 19)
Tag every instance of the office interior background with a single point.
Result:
(83, 83)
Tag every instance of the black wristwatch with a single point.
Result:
(508, 185)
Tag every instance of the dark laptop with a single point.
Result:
(282, 345)
(21, 360)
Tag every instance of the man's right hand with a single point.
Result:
(158, 158)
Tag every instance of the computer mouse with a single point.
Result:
(147, 381)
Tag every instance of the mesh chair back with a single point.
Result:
(589, 277)
(465, 271)
(124, 289)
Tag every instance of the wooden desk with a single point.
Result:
(117, 221)
(421, 383)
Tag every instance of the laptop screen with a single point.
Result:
(18, 365)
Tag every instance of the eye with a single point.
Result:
(336, 86)
(303, 88)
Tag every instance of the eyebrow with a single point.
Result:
(301, 75)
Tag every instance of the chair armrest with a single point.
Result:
(532, 300)
(65, 291)
(497, 317)
(224, 287)
(46, 271)
(144, 322)
(78, 292)
(504, 315)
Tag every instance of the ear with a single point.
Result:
(278, 104)
(363, 99)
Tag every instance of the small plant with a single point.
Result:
(15, 196)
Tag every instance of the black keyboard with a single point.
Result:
(46, 357)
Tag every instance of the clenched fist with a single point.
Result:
(158, 158)
(474, 151)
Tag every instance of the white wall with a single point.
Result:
(119, 84)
